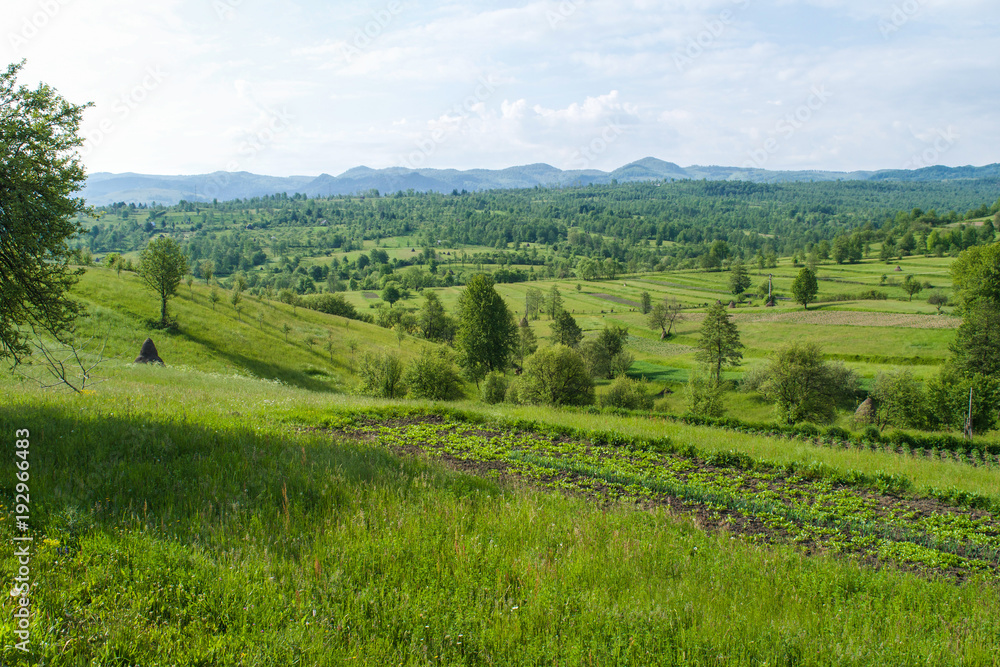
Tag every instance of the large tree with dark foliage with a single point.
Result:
(39, 173)
(487, 332)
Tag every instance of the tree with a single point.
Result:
(938, 300)
(381, 375)
(236, 300)
(804, 387)
(390, 294)
(976, 347)
(162, 265)
(664, 315)
(600, 353)
(912, 286)
(739, 280)
(39, 174)
(898, 399)
(433, 322)
(115, 262)
(432, 375)
(645, 303)
(719, 344)
(487, 332)
(527, 343)
(553, 303)
(805, 287)
(557, 376)
(976, 277)
(207, 270)
(533, 301)
(565, 330)
(213, 297)
(948, 399)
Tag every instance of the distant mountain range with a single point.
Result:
(105, 188)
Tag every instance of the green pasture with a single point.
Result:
(189, 517)
(120, 310)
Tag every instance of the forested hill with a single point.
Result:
(649, 225)
(104, 188)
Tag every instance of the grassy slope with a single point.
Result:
(203, 529)
(216, 340)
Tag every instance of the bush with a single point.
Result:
(381, 375)
(835, 433)
(557, 376)
(704, 398)
(494, 388)
(514, 391)
(432, 375)
(804, 387)
(755, 379)
(871, 434)
(948, 399)
(627, 394)
(899, 400)
(331, 304)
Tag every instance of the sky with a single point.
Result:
(308, 87)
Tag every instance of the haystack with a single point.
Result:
(899, 268)
(732, 304)
(148, 355)
(769, 304)
(865, 414)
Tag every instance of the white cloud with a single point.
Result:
(554, 85)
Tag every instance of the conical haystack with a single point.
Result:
(865, 414)
(732, 304)
(148, 355)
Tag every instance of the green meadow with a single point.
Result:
(212, 512)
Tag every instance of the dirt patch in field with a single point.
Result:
(617, 299)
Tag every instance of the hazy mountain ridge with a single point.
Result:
(105, 188)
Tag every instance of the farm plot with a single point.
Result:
(617, 299)
(724, 491)
(845, 318)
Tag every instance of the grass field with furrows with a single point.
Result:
(185, 517)
(241, 506)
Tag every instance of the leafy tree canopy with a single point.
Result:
(719, 344)
(487, 332)
(162, 265)
(805, 287)
(39, 172)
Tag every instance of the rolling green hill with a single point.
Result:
(219, 340)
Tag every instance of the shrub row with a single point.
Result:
(835, 434)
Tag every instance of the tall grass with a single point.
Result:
(217, 535)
